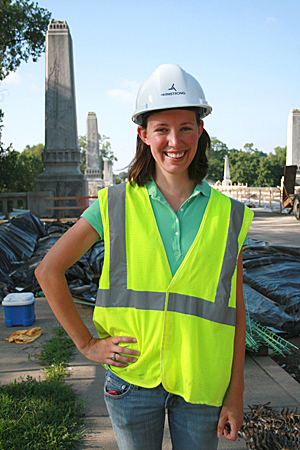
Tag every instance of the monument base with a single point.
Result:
(95, 183)
(70, 185)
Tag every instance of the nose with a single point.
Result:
(174, 138)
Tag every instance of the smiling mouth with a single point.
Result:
(175, 155)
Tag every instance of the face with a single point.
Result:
(173, 139)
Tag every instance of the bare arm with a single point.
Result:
(232, 410)
(51, 277)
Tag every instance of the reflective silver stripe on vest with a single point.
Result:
(119, 296)
(155, 301)
(116, 214)
(231, 251)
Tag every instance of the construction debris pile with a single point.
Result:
(266, 429)
(25, 240)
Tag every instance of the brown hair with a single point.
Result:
(142, 167)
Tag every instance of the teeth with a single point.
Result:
(175, 155)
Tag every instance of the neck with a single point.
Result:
(175, 188)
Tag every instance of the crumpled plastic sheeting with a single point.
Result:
(271, 273)
(25, 240)
(18, 239)
(272, 285)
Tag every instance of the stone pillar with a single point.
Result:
(108, 173)
(227, 181)
(93, 171)
(61, 156)
(293, 142)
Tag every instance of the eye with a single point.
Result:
(186, 128)
(161, 130)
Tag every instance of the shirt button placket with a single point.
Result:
(176, 242)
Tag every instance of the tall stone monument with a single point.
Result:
(108, 173)
(93, 171)
(293, 141)
(227, 180)
(61, 156)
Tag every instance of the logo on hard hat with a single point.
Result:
(172, 88)
(174, 91)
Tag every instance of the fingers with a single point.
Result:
(119, 360)
(231, 432)
(119, 353)
(221, 425)
(227, 427)
(102, 350)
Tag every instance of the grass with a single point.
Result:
(44, 415)
(55, 354)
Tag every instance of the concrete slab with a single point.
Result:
(275, 228)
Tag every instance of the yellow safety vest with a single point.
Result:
(185, 324)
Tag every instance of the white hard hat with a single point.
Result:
(170, 87)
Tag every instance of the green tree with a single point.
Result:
(18, 171)
(272, 168)
(29, 166)
(244, 165)
(216, 159)
(120, 177)
(8, 158)
(22, 33)
(23, 27)
(104, 150)
(34, 150)
(248, 166)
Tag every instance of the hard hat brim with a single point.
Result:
(138, 116)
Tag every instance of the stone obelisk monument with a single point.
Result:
(293, 142)
(227, 180)
(61, 156)
(108, 173)
(93, 171)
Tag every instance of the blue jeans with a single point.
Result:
(138, 417)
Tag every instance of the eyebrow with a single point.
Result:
(160, 124)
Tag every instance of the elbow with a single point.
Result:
(48, 272)
(43, 272)
(39, 273)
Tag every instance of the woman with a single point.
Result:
(169, 311)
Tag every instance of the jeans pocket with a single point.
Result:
(115, 387)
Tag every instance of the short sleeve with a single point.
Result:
(93, 215)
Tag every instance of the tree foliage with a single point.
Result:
(7, 161)
(105, 151)
(23, 26)
(216, 159)
(18, 171)
(248, 166)
(29, 166)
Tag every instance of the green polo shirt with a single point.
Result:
(177, 231)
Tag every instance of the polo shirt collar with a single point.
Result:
(202, 188)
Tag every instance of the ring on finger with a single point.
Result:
(113, 358)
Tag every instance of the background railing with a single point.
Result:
(258, 196)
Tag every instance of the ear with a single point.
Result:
(142, 132)
(200, 128)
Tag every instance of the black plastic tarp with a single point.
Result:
(272, 285)
(25, 240)
(271, 273)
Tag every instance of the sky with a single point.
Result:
(244, 53)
